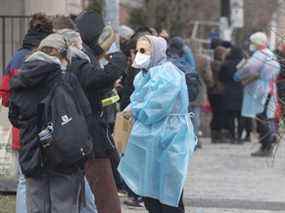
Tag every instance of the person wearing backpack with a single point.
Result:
(39, 27)
(181, 56)
(52, 157)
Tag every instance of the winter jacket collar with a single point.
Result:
(33, 38)
(35, 73)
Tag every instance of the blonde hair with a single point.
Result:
(51, 51)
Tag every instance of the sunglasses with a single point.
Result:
(141, 50)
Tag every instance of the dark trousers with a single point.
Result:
(218, 112)
(234, 123)
(247, 125)
(115, 160)
(100, 177)
(154, 206)
(267, 131)
(266, 128)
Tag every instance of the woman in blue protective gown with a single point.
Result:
(162, 140)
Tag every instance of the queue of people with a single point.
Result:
(66, 84)
(244, 90)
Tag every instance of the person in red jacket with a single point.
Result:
(39, 28)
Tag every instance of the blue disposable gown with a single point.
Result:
(255, 94)
(162, 140)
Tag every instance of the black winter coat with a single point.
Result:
(233, 91)
(90, 26)
(94, 82)
(128, 87)
(29, 88)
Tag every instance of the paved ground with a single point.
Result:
(225, 179)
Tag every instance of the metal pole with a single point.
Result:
(225, 29)
(112, 13)
(3, 43)
(225, 8)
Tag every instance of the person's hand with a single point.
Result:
(107, 38)
(74, 51)
(118, 84)
(127, 113)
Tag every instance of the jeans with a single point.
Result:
(90, 200)
(21, 205)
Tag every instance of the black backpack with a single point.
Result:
(192, 79)
(193, 84)
(64, 137)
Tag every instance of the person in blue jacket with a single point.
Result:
(162, 140)
(260, 101)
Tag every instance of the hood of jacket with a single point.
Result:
(235, 54)
(33, 38)
(176, 47)
(38, 69)
(90, 26)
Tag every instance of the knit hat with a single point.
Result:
(126, 32)
(259, 38)
(54, 40)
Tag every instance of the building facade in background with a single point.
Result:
(50, 7)
(14, 18)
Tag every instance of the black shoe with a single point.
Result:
(247, 139)
(199, 145)
(215, 136)
(263, 153)
(239, 141)
(227, 137)
(134, 203)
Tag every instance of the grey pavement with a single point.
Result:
(224, 178)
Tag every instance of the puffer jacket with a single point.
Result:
(29, 88)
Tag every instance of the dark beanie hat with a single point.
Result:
(90, 25)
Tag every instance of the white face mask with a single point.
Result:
(252, 48)
(142, 61)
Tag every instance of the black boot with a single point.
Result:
(214, 136)
(264, 151)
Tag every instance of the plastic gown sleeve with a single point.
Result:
(252, 67)
(158, 101)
